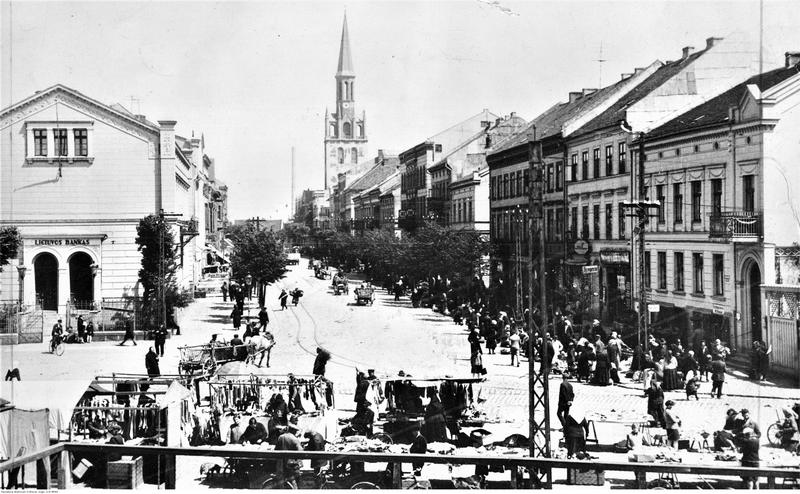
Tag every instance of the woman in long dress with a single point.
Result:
(671, 380)
(602, 370)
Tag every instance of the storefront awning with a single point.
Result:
(221, 256)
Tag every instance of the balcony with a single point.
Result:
(737, 225)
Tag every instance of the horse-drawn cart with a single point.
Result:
(365, 295)
(203, 360)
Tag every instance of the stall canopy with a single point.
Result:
(59, 397)
(175, 394)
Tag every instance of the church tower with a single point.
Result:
(345, 130)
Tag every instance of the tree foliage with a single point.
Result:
(258, 253)
(9, 244)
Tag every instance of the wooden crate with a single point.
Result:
(586, 477)
(125, 474)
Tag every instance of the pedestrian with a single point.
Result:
(419, 446)
(746, 422)
(655, 403)
(289, 468)
(239, 350)
(602, 372)
(128, 334)
(248, 333)
(565, 397)
(717, 375)
(160, 338)
(362, 386)
(575, 429)
(81, 330)
(315, 443)
(749, 444)
(236, 315)
(263, 317)
(691, 388)
(235, 431)
(151, 363)
(513, 343)
(321, 361)
(474, 340)
(263, 343)
(763, 360)
(614, 349)
(491, 341)
(89, 331)
(283, 297)
(224, 290)
(673, 425)
(232, 290)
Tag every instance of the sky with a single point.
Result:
(255, 78)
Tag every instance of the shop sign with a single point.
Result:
(653, 308)
(615, 257)
(61, 241)
(718, 309)
(591, 269)
(581, 247)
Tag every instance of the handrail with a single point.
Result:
(31, 457)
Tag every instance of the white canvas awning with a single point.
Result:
(175, 393)
(59, 397)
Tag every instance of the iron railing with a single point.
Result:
(736, 224)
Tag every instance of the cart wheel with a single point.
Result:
(774, 434)
(364, 485)
(209, 367)
(382, 437)
(275, 482)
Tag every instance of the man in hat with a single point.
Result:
(128, 334)
(565, 397)
(749, 445)
(115, 431)
(289, 468)
(419, 446)
(745, 422)
(57, 334)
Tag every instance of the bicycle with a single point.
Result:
(57, 345)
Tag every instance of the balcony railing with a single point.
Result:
(736, 224)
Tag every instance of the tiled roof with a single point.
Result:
(617, 111)
(715, 111)
(372, 177)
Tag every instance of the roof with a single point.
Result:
(550, 122)
(372, 177)
(715, 111)
(617, 112)
(345, 59)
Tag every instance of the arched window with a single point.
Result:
(360, 130)
(348, 130)
(354, 155)
(332, 130)
(340, 155)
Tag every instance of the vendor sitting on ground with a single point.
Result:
(255, 433)
(788, 432)
(725, 438)
(364, 419)
(71, 336)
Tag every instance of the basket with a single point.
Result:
(125, 474)
(586, 477)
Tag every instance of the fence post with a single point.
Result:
(397, 475)
(64, 470)
(171, 473)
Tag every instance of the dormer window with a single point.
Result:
(65, 141)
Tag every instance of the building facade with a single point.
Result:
(77, 176)
(345, 129)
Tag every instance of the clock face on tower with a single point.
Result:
(345, 105)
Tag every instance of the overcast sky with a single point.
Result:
(256, 77)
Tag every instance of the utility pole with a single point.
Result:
(538, 388)
(640, 209)
(292, 203)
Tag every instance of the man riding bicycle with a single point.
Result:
(57, 335)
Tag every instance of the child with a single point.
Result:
(692, 388)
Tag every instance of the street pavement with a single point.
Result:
(388, 337)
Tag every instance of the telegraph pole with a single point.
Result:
(538, 389)
(292, 203)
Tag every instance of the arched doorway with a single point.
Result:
(753, 281)
(81, 282)
(45, 269)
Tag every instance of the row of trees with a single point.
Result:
(431, 251)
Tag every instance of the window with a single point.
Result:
(60, 142)
(81, 142)
(585, 165)
(550, 225)
(678, 152)
(716, 196)
(622, 155)
(662, 215)
(519, 182)
(647, 270)
(646, 192)
(596, 162)
(525, 181)
(573, 225)
(719, 275)
(697, 263)
(354, 155)
(469, 210)
(550, 177)
(492, 185)
(609, 223)
(559, 223)
(596, 211)
(662, 270)
(40, 142)
(360, 128)
(347, 128)
(621, 221)
(697, 196)
(678, 268)
(437, 148)
(340, 155)
(609, 160)
(559, 168)
(585, 221)
(505, 186)
(574, 168)
(677, 204)
(512, 186)
(749, 193)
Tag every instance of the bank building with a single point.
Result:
(76, 177)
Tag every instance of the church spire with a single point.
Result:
(345, 60)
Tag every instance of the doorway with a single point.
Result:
(81, 281)
(45, 268)
(754, 301)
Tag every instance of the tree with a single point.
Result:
(9, 244)
(155, 239)
(258, 253)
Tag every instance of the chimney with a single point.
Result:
(626, 75)
(710, 42)
(513, 114)
(687, 50)
(587, 92)
(574, 95)
(792, 58)
(140, 118)
(638, 70)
